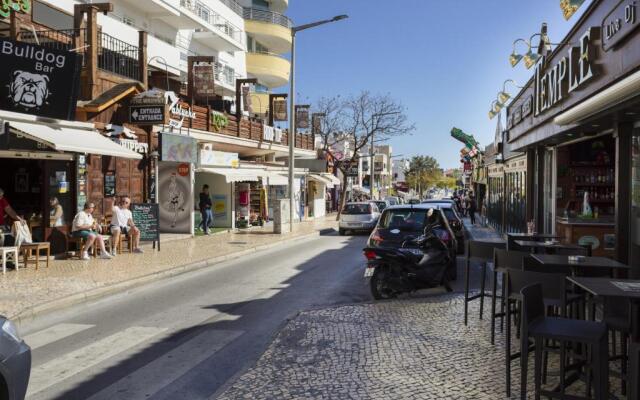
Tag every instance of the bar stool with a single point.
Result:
(503, 260)
(539, 327)
(482, 252)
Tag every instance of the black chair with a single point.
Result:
(503, 260)
(616, 316)
(554, 299)
(539, 327)
(478, 250)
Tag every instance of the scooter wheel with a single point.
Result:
(379, 289)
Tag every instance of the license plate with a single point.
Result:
(414, 251)
(368, 273)
(353, 224)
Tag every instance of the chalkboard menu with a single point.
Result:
(146, 218)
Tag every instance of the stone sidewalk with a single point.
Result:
(26, 292)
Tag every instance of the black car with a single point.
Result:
(399, 222)
(455, 221)
(15, 364)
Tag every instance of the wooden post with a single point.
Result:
(143, 75)
(14, 27)
(92, 53)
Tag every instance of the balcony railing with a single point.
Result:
(114, 55)
(220, 24)
(271, 17)
(117, 56)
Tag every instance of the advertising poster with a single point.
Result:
(178, 148)
(219, 207)
(174, 197)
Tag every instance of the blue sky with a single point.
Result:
(445, 60)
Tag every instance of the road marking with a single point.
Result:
(53, 334)
(72, 363)
(153, 377)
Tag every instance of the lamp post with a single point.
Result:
(166, 67)
(292, 102)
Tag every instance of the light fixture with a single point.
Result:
(569, 7)
(515, 58)
(494, 109)
(503, 96)
(531, 58)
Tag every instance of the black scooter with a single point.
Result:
(406, 269)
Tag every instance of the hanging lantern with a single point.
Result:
(569, 7)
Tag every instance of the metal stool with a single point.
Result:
(478, 251)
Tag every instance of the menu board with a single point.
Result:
(146, 218)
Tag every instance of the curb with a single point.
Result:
(32, 312)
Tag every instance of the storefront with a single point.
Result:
(577, 120)
(515, 195)
(495, 196)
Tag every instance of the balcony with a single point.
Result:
(271, 69)
(211, 29)
(271, 29)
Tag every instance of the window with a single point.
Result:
(260, 4)
(355, 209)
(404, 220)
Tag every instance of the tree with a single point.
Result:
(423, 172)
(354, 121)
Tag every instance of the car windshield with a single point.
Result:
(357, 209)
(448, 212)
(381, 205)
(404, 220)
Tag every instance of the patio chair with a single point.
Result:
(503, 260)
(8, 254)
(481, 251)
(539, 327)
(27, 247)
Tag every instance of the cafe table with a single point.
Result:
(621, 289)
(547, 246)
(585, 263)
(511, 237)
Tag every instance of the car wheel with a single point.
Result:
(341, 232)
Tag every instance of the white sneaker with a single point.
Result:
(85, 256)
(105, 256)
(113, 253)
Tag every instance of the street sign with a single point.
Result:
(147, 115)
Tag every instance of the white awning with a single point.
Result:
(319, 178)
(234, 175)
(334, 179)
(275, 178)
(72, 139)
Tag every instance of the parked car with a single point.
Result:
(393, 201)
(443, 200)
(413, 201)
(382, 204)
(15, 364)
(362, 216)
(399, 222)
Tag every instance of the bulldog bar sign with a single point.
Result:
(38, 80)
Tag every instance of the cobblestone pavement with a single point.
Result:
(26, 289)
(405, 349)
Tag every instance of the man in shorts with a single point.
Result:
(85, 227)
(122, 224)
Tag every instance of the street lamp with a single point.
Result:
(166, 67)
(292, 102)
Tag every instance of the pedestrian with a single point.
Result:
(122, 224)
(205, 209)
(5, 208)
(472, 209)
(85, 227)
(56, 213)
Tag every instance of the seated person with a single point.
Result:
(122, 224)
(84, 226)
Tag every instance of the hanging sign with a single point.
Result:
(203, 80)
(178, 148)
(148, 108)
(219, 121)
(280, 110)
(302, 117)
(38, 80)
(246, 99)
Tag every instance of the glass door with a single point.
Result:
(634, 229)
(549, 202)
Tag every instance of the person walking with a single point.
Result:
(205, 209)
(472, 209)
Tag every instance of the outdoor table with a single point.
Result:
(592, 263)
(511, 237)
(548, 246)
(616, 288)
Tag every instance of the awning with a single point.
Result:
(234, 175)
(321, 179)
(334, 179)
(65, 137)
(275, 178)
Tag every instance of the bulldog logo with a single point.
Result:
(29, 90)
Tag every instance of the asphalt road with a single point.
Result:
(184, 338)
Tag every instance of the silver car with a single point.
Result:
(15, 362)
(361, 216)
